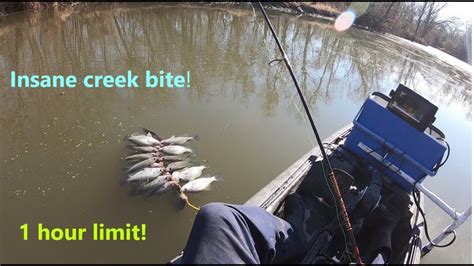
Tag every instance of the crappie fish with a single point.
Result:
(165, 188)
(144, 148)
(176, 140)
(198, 185)
(141, 156)
(177, 165)
(175, 157)
(146, 140)
(175, 149)
(189, 174)
(157, 182)
(146, 174)
(145, 163)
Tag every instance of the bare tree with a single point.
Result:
(432, 18)
(420, 17)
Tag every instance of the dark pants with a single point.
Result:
(227, 233)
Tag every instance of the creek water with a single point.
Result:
(61, 154)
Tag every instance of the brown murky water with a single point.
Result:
(60, 155)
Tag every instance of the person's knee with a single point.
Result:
(214, 211)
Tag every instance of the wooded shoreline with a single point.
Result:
(418, 22)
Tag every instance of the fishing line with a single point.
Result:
(311, 140)
(332, 175)
(263, 31)
(276, 62)
(278, 72)
(185, 198)
(192, 206)
(308, 134)
(417, 199)
(298, 109)
(447, 156)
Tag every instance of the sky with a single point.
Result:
(458, 9)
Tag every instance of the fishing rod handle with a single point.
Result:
(345, 216)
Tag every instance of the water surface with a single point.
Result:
(60, 155)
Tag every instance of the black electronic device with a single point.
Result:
(412, 107)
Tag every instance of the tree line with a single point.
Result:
(420, 22)
(416, 21)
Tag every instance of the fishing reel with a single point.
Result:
(327, 249)
(332, 245)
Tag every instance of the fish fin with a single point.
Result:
(153, 134)
(218, 178)
(195, 137)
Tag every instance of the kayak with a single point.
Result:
(380, 161)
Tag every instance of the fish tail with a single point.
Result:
(131, 135)
(149, 192)
(153, 191)
(192, 163)
(219, 178)
(129, 172)
(124, 180)
(130, 142)
(196, 137)
(134, 192)
(153, 134)
(131, 158)
(131, 145)
(142, 189)
(131, 169)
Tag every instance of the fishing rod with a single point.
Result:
(332, 176)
